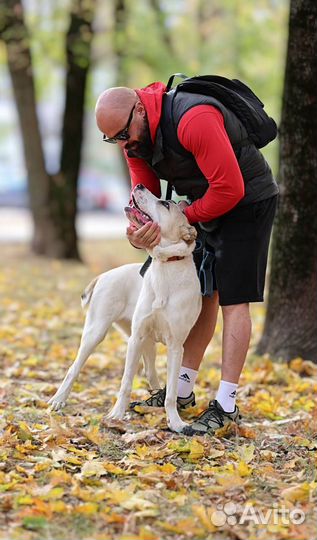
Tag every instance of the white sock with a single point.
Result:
(226, 395)
(186, 381)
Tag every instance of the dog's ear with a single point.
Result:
(188, 233)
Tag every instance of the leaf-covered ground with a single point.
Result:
(71, 476)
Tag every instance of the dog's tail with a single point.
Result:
(86, 296)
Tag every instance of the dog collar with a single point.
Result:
(175, 258)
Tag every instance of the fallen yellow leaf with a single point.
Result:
(86, 508)
(192, 447)
(93, 468)
(298, 493)
(114, 469)
(244, 469)
(246, 452)
(204, 518)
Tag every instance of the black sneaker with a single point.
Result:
(211, 419)
(157, 399)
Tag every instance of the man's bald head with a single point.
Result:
(113, 108)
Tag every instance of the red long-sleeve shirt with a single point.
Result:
(201, 131)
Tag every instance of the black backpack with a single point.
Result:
(238, 98)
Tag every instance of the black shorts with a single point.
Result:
(232, 258)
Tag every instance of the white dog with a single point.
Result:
(163, 306)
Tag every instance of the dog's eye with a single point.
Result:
(166, 204)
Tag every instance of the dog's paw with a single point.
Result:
(188, 233)
(57, 402)
(116, 413)
(177, 426)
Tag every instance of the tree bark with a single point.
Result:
(291, 321)
(14, 33)
(65, 184)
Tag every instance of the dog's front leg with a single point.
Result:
(135, 344)
(174, 361)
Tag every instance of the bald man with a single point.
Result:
(187, 140)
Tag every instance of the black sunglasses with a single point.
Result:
(122, 135)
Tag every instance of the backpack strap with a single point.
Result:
(169, 191)
(171, 80)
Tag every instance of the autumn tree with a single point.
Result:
(291, 320)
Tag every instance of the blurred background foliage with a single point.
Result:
(134, 43)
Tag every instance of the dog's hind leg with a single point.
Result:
(93, 333)
(149, 354)
(174, 361)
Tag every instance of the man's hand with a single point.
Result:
(146, 237)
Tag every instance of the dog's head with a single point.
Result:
(146, 207)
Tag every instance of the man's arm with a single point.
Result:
(149, 235)
(141, 173)
(201, 131)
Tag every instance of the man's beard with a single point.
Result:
(144, 147)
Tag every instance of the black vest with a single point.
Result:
(173, 163)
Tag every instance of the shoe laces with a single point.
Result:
(158, 396)
(212, 413)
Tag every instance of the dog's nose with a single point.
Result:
(139, 186)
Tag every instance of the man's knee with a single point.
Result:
(236, 309)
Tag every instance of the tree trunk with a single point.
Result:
(15, 36)
(65, 184)
(291, 321)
